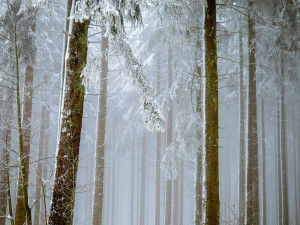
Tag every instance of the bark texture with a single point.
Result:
(252, 169)
(211, 183)
(199, 171)
(63, 196)
(284, 172)
(100, 148)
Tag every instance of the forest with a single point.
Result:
(149, 112)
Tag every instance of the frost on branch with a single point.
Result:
(112, 15)
(187, 142)
(149, 109)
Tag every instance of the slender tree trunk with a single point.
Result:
(279, 167)
(242, 158)
(181, 192)
(295, 164)
(252, 169)
(3, 164)
(176, 199)
(63, 196)
(23, 212)
(26, 123)
(113, 192)
(168, 197)
(132, 185)
(284, 172)
(100, 148)
(143, 182)
(8, 119)
(263, 149)
(39, 171)
(211, 183)
(43, 216)
(199, 171)
(157, 155)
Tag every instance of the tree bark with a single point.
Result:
(211, 183)
(100, 148)
(279, 167)
(252, 169)
(39, 172)
(199, 170)
(63, 196)
(284, 171)
(242, 158)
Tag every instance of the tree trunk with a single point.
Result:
(181, 192)
(132, 184)
(263, 149)
(211, 183)
(26, 124)
(242, 158)
(199, 171)
(285, 203)
(113, 192)
(23, 212)
(63, 196)
(39, 171)
(168, 197)
(43, 216)
(143, 182)
(176, 199)
(252, 169)
(8, 119)
(157, 155)
(100, 148)
(279, 167)
(3, 164)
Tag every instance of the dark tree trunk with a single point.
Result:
(63, 196)
(211, 183)
(284, 172)
(199, 171)
(252, 169)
